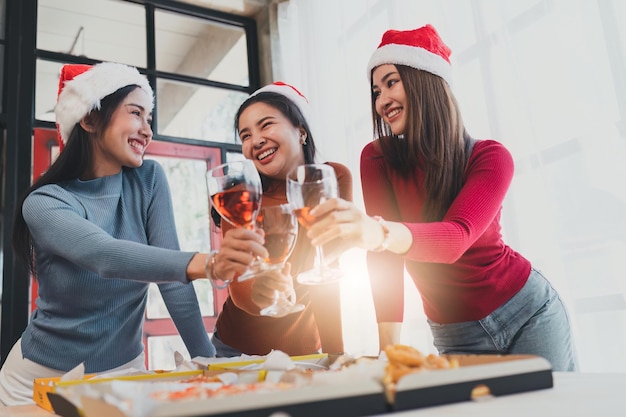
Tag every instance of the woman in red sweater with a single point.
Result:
(440, 193)
(275, 135)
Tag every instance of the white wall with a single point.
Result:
(548, 79)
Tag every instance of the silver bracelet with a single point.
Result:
(209, 269)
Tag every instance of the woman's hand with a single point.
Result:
(238, 249)
(342, 226)
(264, 286)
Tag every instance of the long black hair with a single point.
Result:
(435, 140)
(292, 112)
(72, 162)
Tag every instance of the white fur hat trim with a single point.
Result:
(290, 92)
(410, 56)
(82, 94)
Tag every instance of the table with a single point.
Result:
(573, 395)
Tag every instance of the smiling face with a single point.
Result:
(126, 137)
(270, 140)
(390, 97)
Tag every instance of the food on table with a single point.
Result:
(404, 360)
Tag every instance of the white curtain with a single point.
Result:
(547, 78)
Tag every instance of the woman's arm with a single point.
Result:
(388, 334)
(58, 225)
(489, 175)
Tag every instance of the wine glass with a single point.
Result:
(307, 186)
(281, 230)
(235, 192)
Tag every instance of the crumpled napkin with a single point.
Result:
(278, 360)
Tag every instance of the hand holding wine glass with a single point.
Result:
(281, 229)
(235, 193)
(307, 186)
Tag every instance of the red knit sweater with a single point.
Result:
(239, 325)
(460, 265)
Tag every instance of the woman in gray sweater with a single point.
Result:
(96, 229)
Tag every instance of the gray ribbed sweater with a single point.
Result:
(98, 245)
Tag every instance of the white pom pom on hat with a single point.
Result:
(420, 48)
(289, 91)
(82, 87)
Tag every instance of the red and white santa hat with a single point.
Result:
(420, 48)
(289, 91)
(81, 87)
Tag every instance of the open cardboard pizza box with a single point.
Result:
(364, 397)
(477, 376)
(43, 387)
(354, 396)
(358, 398)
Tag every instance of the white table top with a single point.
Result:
(573, 395)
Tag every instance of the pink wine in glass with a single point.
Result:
(279, 246)
(304, 218)
(239, 206)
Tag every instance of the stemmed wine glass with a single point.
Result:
(307, 186)
(281, 230)
(235, 192)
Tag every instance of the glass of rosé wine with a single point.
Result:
(281, 230)
(307, 186)
(235, 192)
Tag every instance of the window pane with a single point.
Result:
(234, 156)
(47, 84)
(249, 8)
(204, 292)
(161, 351)
(190, 200)
(201, 48)
(197, 112)
(104, 30)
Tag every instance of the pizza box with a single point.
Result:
(360, 398)
(476, 376)
(43, 386)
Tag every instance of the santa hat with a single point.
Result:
(289, 91)
(81, 87)
(420, 48)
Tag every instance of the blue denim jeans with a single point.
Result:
(534, 321)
